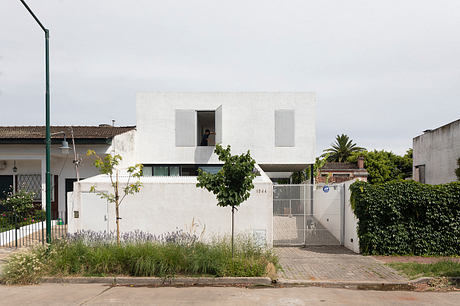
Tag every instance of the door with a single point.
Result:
(218, 123)
(6, 185)
(55, 203)
(68, 188)
(93, 212)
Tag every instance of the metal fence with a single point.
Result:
(24, 230)
(307, 214)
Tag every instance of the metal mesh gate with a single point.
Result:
(308, 214)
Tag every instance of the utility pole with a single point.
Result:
(47, 119)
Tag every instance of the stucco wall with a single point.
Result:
(248, 122)
(438, 150)
(165, 204)
(333, 211)
(351, 240)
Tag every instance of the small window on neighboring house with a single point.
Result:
(420, 173)
(341, 175)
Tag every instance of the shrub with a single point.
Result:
(24, 268)
(18, 210)
(80, 256)
(406, 217)
(19, 203)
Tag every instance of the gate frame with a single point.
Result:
(312, 188)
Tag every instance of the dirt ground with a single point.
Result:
(415, 259)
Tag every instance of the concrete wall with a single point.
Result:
(333, 211)
(351, 240)
(248, 122)
(327, 208)
(169, 203)
(438, 150)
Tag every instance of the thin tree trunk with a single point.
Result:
(117, 214)
(233, 226)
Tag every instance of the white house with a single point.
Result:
(22, 159)
(277, 128)
(436, 153)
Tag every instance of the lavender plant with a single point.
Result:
(89, 237)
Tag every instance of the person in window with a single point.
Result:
(204, 139)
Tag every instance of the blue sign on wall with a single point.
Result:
(326, 188)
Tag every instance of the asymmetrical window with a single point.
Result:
(191, 127)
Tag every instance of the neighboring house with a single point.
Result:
(22, 159)
(277, 128)
(335, 172)
(436, 153)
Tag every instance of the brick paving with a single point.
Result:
(332, 263)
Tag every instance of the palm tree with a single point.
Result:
(342, 149)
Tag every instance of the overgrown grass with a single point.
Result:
(414, 270)
(146, 258)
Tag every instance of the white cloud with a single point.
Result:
(383, 71)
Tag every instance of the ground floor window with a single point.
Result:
(178, 170)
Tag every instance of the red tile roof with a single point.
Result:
(80, 132)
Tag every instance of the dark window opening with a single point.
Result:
(341, 175)
(206, 127)
(178, 170)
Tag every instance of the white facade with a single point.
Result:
(277, 128)
(246, 121)
(436, 153)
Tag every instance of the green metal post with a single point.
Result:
(48, 132)
(48, 140)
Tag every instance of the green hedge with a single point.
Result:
(407, 218)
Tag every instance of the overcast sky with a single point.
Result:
(383, 71)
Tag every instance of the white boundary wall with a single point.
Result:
(351, 240)
(333, 211)
(166, 204)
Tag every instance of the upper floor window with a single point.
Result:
(198, 127)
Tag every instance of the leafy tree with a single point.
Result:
(457, 171)
(342, 149)
(385, 166)
(231, 184)
(108, 165)
(299, 177)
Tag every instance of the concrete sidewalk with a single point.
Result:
(332, 264)
(97, 294)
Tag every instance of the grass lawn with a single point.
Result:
(178, 254)
(413, 270)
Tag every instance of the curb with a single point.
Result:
(360, 285)
(156, 281)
